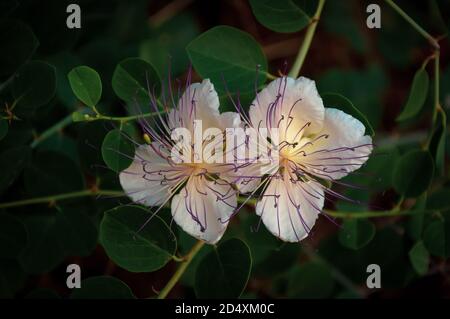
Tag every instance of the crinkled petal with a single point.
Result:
(198, 102)
(293, 106)
(289, 209)
(340, 148)
(150, 178)
(203, 208)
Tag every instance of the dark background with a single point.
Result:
(372, 67)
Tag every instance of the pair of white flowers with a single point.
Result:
(315, 144)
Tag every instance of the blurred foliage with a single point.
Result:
(126, 48)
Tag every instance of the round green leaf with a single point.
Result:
(228, 54)
(419, 257)
(102, 287)
(13, 236)
(144, 251)
(44, 176)
(280, 16)
(86, 85)
(117, 150)
(417, 95)
(342, 103)
(91, 136)
(34, 84)
(262, 243)
(12, 162)
(438, 143)
(413, 173)
(19, 45)
(52, 237)
(311, 280)
(132, 80)
(3, 128)
(437, 238)
(224, 272)
(356, 233)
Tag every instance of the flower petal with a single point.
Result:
(289, 105)
(340, 148)
(198, 102)
(203, 208)
(150, 178)
(290, 209)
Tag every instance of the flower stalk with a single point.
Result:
(181, 269)
(295, 71)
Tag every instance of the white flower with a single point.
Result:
(200, 204)
(314, 144)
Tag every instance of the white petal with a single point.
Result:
(203, 208)
(289, 210)
(344, 150)
(298, 104)
(149, 179)
(229, 120)
(198, 102)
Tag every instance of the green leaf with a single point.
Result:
(356, 233)
(310, 280)
(3, 128)
(61, 232)
(363, 87)
(102, 287)
(414, 226)
(280, 16)
(224, 272)
(261, 242)
(132, 80)
(439, 199)
(90, 137)
(117, 150)
(437, 238)
(419, 257)
(280, 260)
(349, 30)
(63, 144)
(438, 142)
(20, 44)
(413, 173)
(144, 251)
(168, 43)
(34, 84)
(12, 162)
(227, 54)
(86, 85)
(417, 95)
(44, 176)
(64, 62)
(13, 236)
(342, 103)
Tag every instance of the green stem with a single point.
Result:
(55, 198)
(295, 71)
(181, 269)
(437, 106)
(356, 214)
(52, 130)
(121, 118)
(413, 23)
(270, 76)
